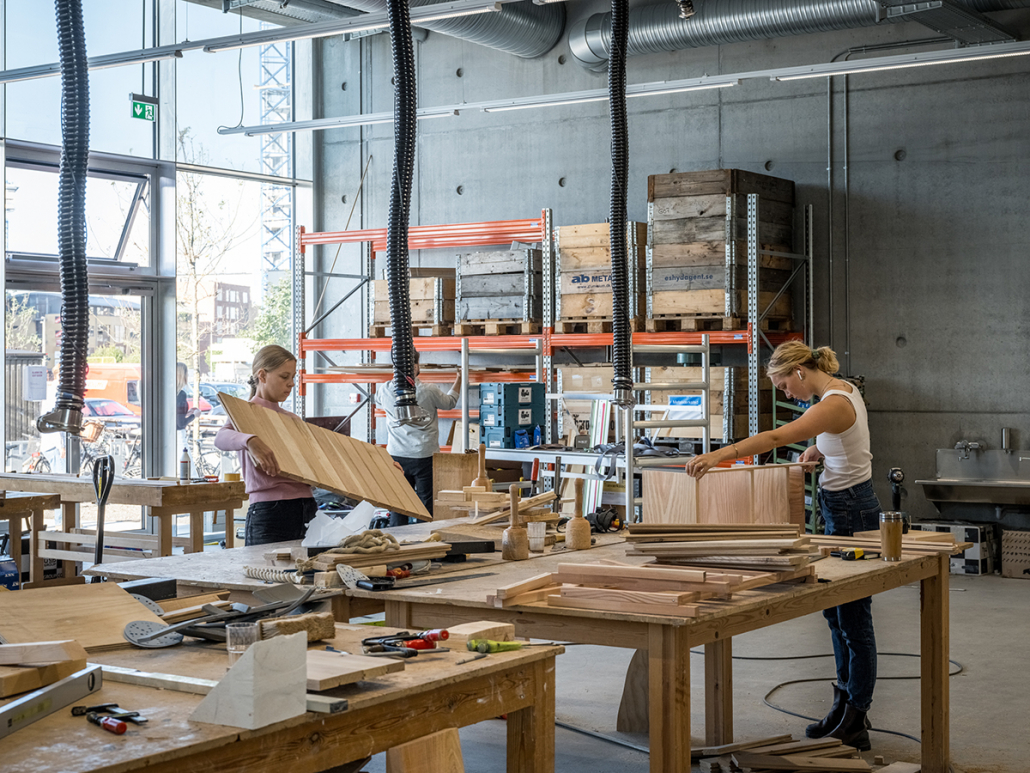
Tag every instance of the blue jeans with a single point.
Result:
(851, 625)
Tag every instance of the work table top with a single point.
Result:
(66, 743)
(126, 491)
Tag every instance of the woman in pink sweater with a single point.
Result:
(279, 508)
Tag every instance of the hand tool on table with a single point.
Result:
(112, 709)
(477, 656)
(23, 711)
(405, 642)
(515, 539)
(485, 646)
(103, 481)
(855, 554)
(109, 724)
(481, 479)
(534, 477)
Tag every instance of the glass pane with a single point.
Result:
(117, 215)
(230, 302)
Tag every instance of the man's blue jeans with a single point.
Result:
(851, 625)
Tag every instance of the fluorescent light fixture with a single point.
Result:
(363, 23)
(369, 119)
(538, 102)
(104, 62)
(905, 61)
(601, 95)
(652, 90)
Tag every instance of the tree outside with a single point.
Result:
(21, 325)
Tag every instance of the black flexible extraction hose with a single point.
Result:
(71, 221)
(622, 351)
(404, 129)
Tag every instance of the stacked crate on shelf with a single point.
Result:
(698, 239)
(575, 414)
(727, 407)
(499, 293)
(511, 414)
(583, 277)
(432, 304)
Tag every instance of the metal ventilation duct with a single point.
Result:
(522, 29)
(657, 28)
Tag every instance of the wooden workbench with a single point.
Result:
(163, 499)
(432, 694)
(18, 506)
(668, 639)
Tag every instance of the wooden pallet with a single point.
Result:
(385, 331)
(594, 325)
(699, 324)
(495, 327)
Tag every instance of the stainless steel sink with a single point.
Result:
(995, 492)
(987, 477)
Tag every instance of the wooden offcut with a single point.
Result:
(327, 670)
(328, 460)
(19, 679)
(40, 653)
(764, 494)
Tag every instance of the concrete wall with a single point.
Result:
(922, 259)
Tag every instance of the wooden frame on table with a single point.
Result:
(668, 641)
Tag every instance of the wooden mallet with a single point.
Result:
(482, 480)
(515, 539)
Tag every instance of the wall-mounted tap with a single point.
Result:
(964, 447)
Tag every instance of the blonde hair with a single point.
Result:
(268, 358)
(181, 374)
(792, 355)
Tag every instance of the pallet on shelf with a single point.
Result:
(499, 293)
(583, 283)
(698, 242)
(386, 331)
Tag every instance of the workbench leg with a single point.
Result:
(531, 730)
(69, 522)
(230, 524)
(164, 519)
(669, 677)
(719, 692)
(934, 644)
(14, 542)
(341, 608)
(35, 562)
(196, 532)
(398, 614)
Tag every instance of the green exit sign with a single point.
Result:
(143, 107)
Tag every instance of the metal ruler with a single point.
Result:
(45, 701)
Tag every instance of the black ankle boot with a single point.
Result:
(828, 723)
(853, 729)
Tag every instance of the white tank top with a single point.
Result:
(848, 460)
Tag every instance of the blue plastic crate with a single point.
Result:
(494, 394)
(511, 416)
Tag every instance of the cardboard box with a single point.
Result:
(981, 558)
(1015, 554)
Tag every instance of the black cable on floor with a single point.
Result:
(781, 685)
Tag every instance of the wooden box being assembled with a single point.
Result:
(583, 271)
(432, 304)
(770, 493)
(499, 292)
(727, 401)
(696, 275)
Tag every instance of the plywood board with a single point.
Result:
(327, 670)
(451, 472)
(318, 457)
(94, 615)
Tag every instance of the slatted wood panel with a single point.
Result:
(772, 493)
(318, 457)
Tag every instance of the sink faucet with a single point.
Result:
(964, 447)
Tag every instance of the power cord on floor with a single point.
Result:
(781, 685)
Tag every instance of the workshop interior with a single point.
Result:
(526, 385)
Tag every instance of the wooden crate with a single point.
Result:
(698, 265)
(432, 301)
(771, 493)
(583, 288)
(596, 378)
(498, 289)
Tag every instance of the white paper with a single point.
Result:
(325, 531)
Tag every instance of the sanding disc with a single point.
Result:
(137, 629)
(148, 603)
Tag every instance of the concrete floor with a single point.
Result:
(990, 699)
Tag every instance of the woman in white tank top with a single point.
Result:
(839, 423)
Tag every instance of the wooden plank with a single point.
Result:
(796, 763)
(40, 653)
(703, 229)
(188, 613)
(699, 529)
(728, 748)
(790, 747)
(915, 535)
(713, 302)
(709, 253)
(591, 279)
(458, 635)
(492, 285)
(680, 610)
(610, 573)
(18, 679)
(672, 598)
(525, 504)
(669, 689)
(708, 587)
(719, 692)
(385, 486)
(714, 205)
(327, 670)
(500, 262)
(532, 583)
(451, 471)
(901, 767)
(94, 615)
(171, 605)
(719, 182)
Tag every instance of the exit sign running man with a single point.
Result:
(143, 107)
